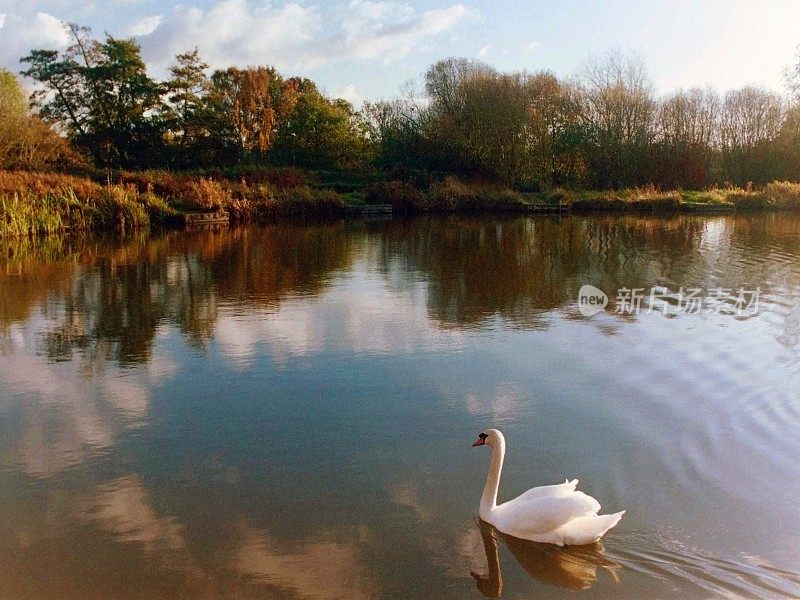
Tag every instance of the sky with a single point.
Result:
(370, 49)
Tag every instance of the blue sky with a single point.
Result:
(367, 49)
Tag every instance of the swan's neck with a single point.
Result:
(489, 497)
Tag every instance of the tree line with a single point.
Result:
(605, 128)
(99, 94)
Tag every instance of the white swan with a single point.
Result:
(554, 514)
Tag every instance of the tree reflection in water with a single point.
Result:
(110, 298)
(99, 339)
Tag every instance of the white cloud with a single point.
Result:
(534, 45)
(485, 50)
(374, 16)
(350, 316)
(145, 26)
(318, 569)
(230, 32)
(24, 32)
(403, 36)
(71, 412)
(294, 36)
(350, 93)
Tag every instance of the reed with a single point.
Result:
(783, 194)
(402, 195)
(43, 203)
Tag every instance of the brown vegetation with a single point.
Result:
(32, 203)
(25, 140)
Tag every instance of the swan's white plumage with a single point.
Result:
(555, 514)
(561, 489)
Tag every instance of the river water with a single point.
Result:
(286, 411)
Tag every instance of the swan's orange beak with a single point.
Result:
(479, 442)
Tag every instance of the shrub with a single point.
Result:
(286, 178)
(500, 200)
(745, 200)
(598, 202)
(646, 199)
(42, 203)
(712, 196)
(159, 211)
(170, 186)
(783, 194)
(208, 194)
(403, 196)
(450, 194)
(306, 200)
(12, 182)
(301, 201)
(118, 207)
(283, 178)
(649, 199)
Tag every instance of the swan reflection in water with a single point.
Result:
(573, 567)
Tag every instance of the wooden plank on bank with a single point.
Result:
(710, 207)
(370, 209)
(201, 219)
(547, 208)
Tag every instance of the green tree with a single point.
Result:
(325, 134)
(12, 98)
(447, 123)
(126, 104)
(517, 128)
(187, 112)
(395, 131)
(101, 95)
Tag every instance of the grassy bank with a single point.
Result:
(40, 203)
(453, 195)
(33, 203)
(774, 196)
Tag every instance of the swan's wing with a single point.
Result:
(561, 489)
(524, 517)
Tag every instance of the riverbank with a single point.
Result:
(41, 203)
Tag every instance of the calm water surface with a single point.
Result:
(287, 411)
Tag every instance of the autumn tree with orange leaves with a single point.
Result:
(255, 101)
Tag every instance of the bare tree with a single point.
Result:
(618, 110)
(686, 136)
(792, 75)
(750, 123)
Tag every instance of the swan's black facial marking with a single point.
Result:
(481, 440)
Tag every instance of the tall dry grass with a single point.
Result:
(43, 203)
